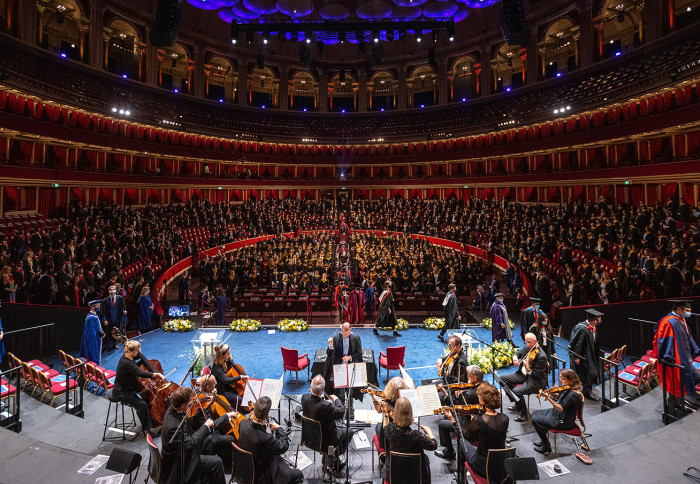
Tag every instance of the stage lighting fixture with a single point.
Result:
(419, 37)
(234, 32)
(451, 32)
(375, 36)
(307, 36)
(266, 37)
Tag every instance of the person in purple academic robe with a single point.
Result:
(500, 329)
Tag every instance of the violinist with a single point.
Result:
(186, 448)
(219, 368)
(216, 443)
(391, 395)
(326, 412)
(562, 415)
(267, 448)
(475, 375)
(530, 377)
(488, 429)
(400, 437)
(454, 365)
(126, 384)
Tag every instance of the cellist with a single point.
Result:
(126, 384)
(224, 383)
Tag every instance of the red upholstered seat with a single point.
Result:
(293, 362)
(7, 389)
(393, 358)
(476, 477)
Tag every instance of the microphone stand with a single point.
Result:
(288, 420)
(348, 404)
(564, 348)
(493, 365)
(460, 436)
(182, 439)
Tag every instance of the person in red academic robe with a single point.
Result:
(356, 306)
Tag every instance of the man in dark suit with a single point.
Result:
(530, 377)
(451, 306)
(113, 315)
(343, 348)
(187, 446)
(326, 412)
(267, 448)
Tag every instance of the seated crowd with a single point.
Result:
(576, 253)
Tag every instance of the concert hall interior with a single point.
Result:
(383, 241)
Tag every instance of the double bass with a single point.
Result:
(155, 394)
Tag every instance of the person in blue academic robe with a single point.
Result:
(144, 310)
(369, 300)
(91, 344)
(2, 342)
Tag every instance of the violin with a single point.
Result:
(553, 390)
(450, 359)
(155, 395)
(381, 405)
(372, 391)
(463, 409)
(458, 386)
(532, 354)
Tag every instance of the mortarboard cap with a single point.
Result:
(593, 314)
(535, 299)
(93, 302)
(498, 294)
(680, 303)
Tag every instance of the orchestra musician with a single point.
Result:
(454, 365)
(126, 383)
(530, 377)
(475, 376)
(391, 394)
(216, 443)
(562, 415)
(400, 437)
(187, 446)
(219, 368)
(267, 448)
(488, 429)
(326, 412)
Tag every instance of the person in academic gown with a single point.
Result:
(584, 342)
(529, 316)
(500, 328)
(386, 315)
(91, 343)
(451, 306)
(145, 309)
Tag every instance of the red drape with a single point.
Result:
(47, 200)
(78, 194)
(688, 193)
(668, 191)
(12, 198)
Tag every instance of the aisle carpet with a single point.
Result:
(260, 355)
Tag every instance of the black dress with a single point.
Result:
(490, 432)
(551, 418)
(223, 385)
(125, 386)
(407, 440)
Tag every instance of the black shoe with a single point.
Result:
(521, 418)
(375, 331)
(441, 338)
(543, 450)
(513, 408)
(592, 397)
(445, 454)
(396, 333)
(541, 444)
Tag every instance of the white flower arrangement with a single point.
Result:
(434, 324)
(501, 356)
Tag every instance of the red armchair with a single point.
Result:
(393, 358)
(293, 362)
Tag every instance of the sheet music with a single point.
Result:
(367, 415)
(424, 399)
(407, 379)
(252, 390)
(352, 374)
(273, 389)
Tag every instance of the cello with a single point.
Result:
(156, 394)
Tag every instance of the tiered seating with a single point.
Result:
(27, 222)
(640, 374)
(47, 380)
(93, 373)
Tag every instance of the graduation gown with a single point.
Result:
(356, 305)
(451, 311)
(499, 316)
(369, 300)
(91, 343)
(2, 343)
(527, 318)
(145, 312)
(583, 342)
(386, 318)
(671, 343)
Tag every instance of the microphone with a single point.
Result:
(330, 460)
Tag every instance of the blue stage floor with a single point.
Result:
(259, 353)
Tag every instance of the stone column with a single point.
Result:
(362, 87)
(403, 88)
(96, 28)
(443, 82)
(587, 42)
(196, 71)
(323, 92)
(284, 88)
(242, 87)
(531, 58)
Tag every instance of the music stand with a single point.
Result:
(510, 394)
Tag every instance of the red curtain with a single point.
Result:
(271, 194)
(61, 153)
(12, 198)
(578, 192)
(654, 147)
(679, 141)
(153, 195)
(693, 142)
(688, 193)
(378, 193)
(130, 196)
(47, 200)
(104, 195)
(636, 194)
(78, 194)
(236, 195)
(177, 196)
(668, 191)
(652, 194)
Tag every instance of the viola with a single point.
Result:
(155, 394)
(532, 354)
(458, 386)
(463, 409)
(553, 390)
